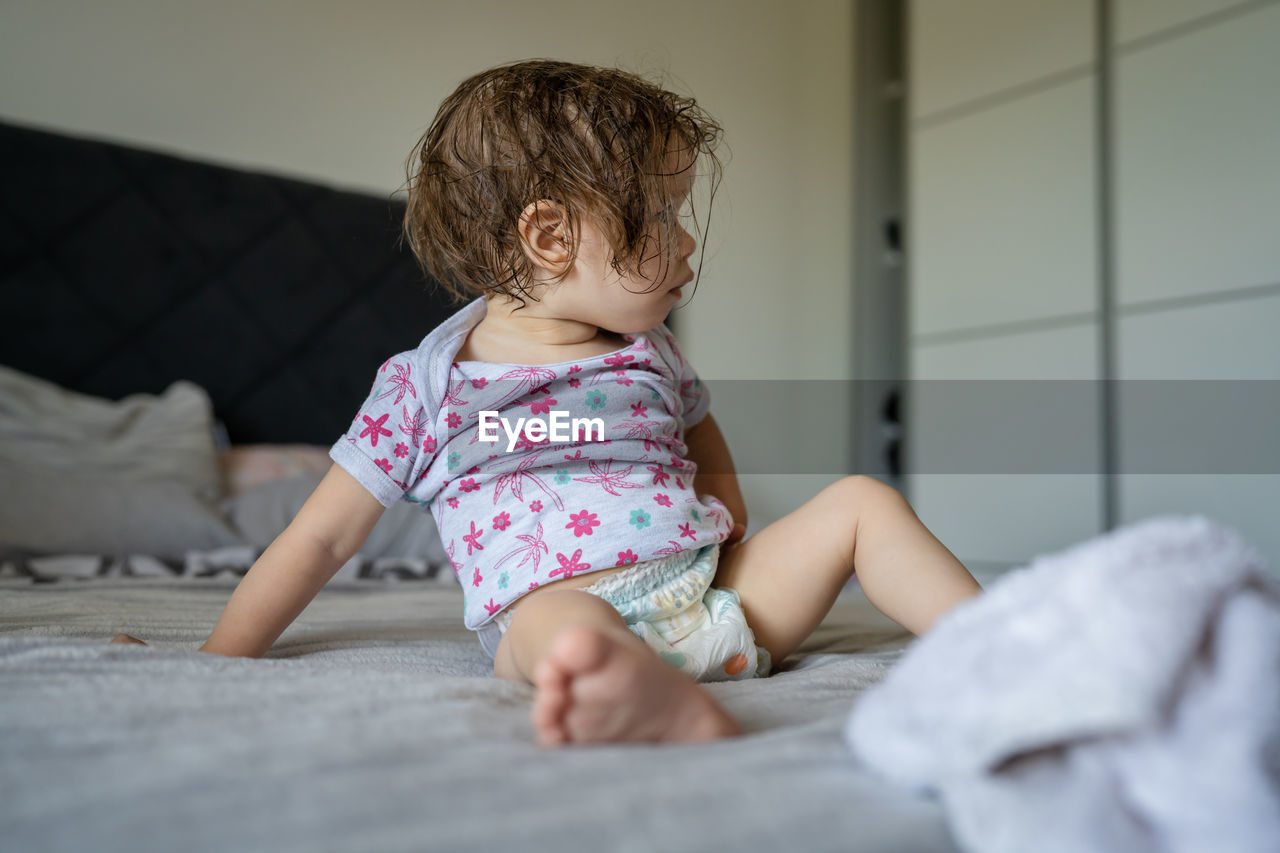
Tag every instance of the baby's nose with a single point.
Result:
(687, 243)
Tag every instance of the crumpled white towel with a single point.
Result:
(1123, 695)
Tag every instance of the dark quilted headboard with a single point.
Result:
(123, 270)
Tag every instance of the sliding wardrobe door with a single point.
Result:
(1003, 413)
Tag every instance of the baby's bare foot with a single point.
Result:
(594, 687)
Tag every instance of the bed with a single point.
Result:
(180, 339)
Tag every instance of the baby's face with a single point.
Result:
(632, 300)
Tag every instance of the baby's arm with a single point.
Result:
(328, 531)
(716, 475)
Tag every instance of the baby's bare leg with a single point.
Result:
(788, 575)
(598, 682)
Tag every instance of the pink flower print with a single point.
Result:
(574, 382)
(575, 369)
(476, 578)
(582, 523)
(626, 558)
(415, 427)
(531, 551)
(662, 500)
(429, 446)
(451, 397)
(517, 480)
(523, 380)
(624, 380)
(642, 430)
(675, 350)
(660, 475)
(569, 565)
(400, 384)
(677, 462)
(456, 566)
(474, 469)
(384, 465)
(685, 530)
(374, 429)
(468, 485)
(672, 547)
(533, 586)
(492, 608)
(536, 506)
(619, 359)
(606, 478)
(402, 450)
(473, 538)
(679, 483)
(501, 521)
(479, 383)
(452, 502)
(524, 443)
(453, 419)
(639, 410)
(541, 406)
(577, 455)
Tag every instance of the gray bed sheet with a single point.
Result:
(376, 724)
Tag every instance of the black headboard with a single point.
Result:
(124, 270)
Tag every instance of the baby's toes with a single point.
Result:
(550, 704)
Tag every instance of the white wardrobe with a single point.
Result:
(1093, 267)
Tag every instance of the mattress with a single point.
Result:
(375, 723)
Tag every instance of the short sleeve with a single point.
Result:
(695, 399)
(391, 440)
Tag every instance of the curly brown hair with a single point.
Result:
(596, 142)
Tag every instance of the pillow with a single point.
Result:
(247, 465)
(82, 474)
(261, 511)
(139, 438)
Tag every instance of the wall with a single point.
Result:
(339, 92)
(1044, 249)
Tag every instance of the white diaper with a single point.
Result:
(669, 603)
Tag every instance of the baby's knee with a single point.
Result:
(559, 607)
(859, 492)
(539, 620)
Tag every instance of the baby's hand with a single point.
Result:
(125, 638)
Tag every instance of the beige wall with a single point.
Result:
(338, 92)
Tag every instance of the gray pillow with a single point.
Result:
(86, 475)
(261, 511)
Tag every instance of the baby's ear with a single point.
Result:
(544, 236)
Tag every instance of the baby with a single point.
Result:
(552, 427)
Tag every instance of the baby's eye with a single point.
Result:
(672, 214)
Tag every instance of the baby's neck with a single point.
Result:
(509, 334)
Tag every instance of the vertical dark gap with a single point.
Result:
(1108, 386)
(880, 238)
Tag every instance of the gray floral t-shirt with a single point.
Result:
(518, 506)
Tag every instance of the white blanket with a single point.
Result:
(1123, 695)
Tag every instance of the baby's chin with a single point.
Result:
(635, 327)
